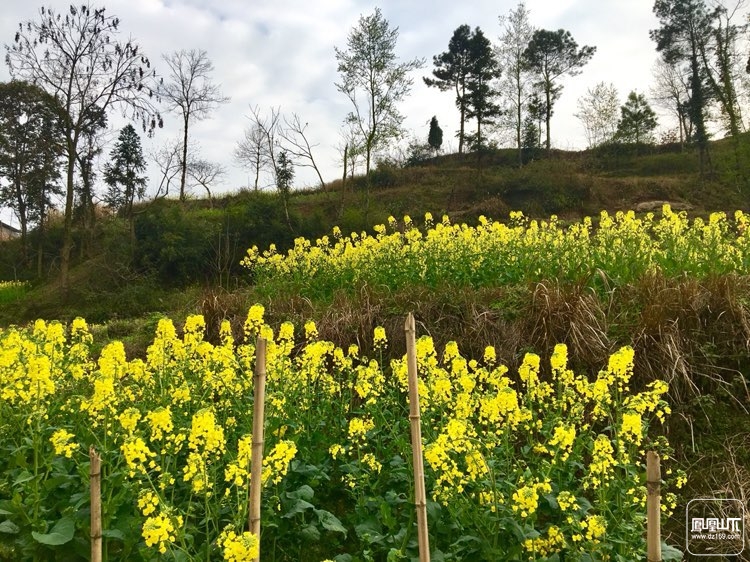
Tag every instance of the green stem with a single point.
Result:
(208, 542)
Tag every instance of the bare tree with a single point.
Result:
(75, 57)
(205, 174)
(516, 85)
(671, 91)
(168, 160)
(298, 146)
(189, 92)
(599, 111)
(251, 152)
(269, 133)
(351, 150)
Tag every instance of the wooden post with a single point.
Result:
(256, 462)
(653, 508)
(95, 475)
(420, 498)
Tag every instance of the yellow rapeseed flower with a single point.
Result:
(238, 548)
(62, 443)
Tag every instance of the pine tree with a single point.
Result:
(637, 121)
(122, 173)
(451, 72)
(435, 136)
(480, 93)
(551, 55)
(530, 139)
(284, 178)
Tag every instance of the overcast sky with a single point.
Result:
(281, 53)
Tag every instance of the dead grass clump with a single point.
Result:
(693, 333)
(570, 314)
(217, 305)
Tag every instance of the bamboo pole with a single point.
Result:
(653, 508)
(95, 475)
(256, 462)
(420, 499)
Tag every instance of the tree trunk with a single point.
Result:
(461, 131)
(40, 250)
(548, 114)
(343, 180)
(67, 245)
(519, 124)
(21, 214)
(183, 175)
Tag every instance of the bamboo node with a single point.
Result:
(653, 488)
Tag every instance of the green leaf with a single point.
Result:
(329, 521)
(437, 556)
(23, 477)
(61, 533)
(9, 527)
(552, 501)
(343, 558)
(114, 534)
(304, 492)
(298, 507)
(670, 553)
(310, 533)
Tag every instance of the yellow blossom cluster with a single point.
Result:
(159, 530)
(276, 462)
(238, 548)
(526, 498)
(62, 443)
(537, 447)
(544, 546)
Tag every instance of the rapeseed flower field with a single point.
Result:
(539, 464)
(621, 247)
(519, 466)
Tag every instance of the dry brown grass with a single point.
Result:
(695, 334)
(570, 314)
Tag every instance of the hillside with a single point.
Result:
(183, 251)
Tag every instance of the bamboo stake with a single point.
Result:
(95, 475)
(653, 508)
(256, 462)
(420, 499)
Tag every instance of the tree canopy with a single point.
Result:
(637, 121)
(552, 55)
(29, 151)
(451, 72)
(374, 81)
(75, 57)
